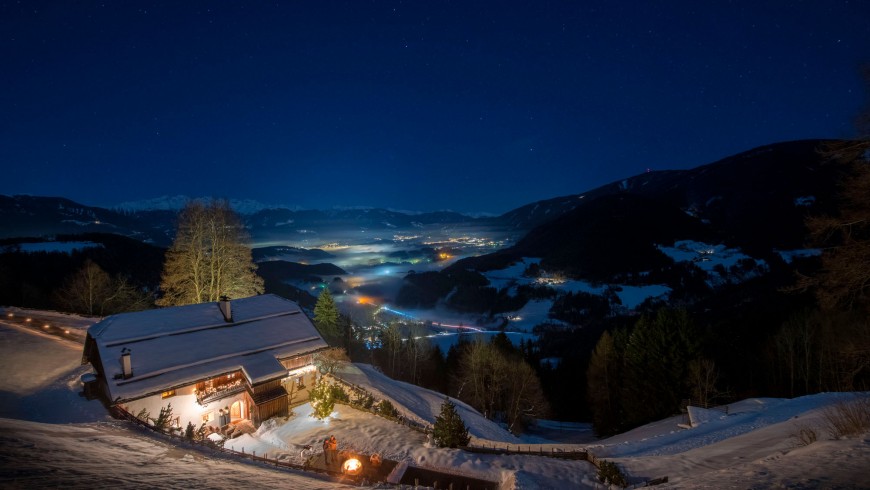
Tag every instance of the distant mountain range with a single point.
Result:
(757, 199)
(154, 221)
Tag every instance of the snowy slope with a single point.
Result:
(749, 447)
(420, 404)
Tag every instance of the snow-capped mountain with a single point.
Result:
(176, 203)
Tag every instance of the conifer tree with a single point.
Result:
(322, 400)
(449, 429)
(208, 258)
(604, 380)
(326, 316)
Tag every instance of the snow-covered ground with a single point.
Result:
(52, 437)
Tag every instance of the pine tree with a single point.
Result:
(604, 380)
(449, 429)
(657, 359)
(326, 316)
(208, 258)
(164, 420)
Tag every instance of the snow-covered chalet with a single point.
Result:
(216, 363)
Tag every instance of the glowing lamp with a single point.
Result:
(352, 466)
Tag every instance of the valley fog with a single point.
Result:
(378, 260)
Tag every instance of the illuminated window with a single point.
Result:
(207, 417)
(167, 394)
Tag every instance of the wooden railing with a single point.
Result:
(219, 393)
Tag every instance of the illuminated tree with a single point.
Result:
(209, 258)
(321, 398)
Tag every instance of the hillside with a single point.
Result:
(750, 188)
(752, 446)
(755, 202)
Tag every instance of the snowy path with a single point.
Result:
(111, 455)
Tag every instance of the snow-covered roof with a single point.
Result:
(174, 346)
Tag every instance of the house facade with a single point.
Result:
(215, 363)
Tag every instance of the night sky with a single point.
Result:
(418, 105)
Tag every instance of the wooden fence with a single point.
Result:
(507, 449)
(578, 455)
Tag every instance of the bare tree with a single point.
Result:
(208, 258)
(416, 350)
(495, 382)
(392, 340)
(845, 276)
(703, 377)
(327, 361)
(92, 291)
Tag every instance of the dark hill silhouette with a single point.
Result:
(757, 201)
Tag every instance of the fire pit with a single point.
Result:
(351, 467)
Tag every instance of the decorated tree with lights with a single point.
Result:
(449, 429)
(322, 400)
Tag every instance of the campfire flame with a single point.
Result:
(352, 466)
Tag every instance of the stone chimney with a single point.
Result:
(126, 363)
(224, 305)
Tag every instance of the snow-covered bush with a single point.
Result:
(386, 409)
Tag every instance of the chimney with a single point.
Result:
(224, 305)
(126, 363)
